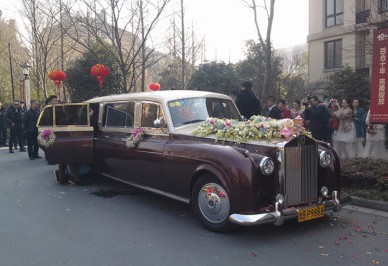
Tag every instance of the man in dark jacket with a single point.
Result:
(246, 101)
(29, 124)
(273, 110)
(3, 127)
(318, 116)
(14, 121)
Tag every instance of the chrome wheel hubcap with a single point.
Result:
(213, 203)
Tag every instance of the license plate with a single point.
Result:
(310, 213)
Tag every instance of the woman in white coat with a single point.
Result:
(375, 140)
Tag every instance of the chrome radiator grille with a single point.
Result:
(300, 173)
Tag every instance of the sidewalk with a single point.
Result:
(371, 204)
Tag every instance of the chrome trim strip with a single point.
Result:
(281, 171)
(153, 190)
(67, 128)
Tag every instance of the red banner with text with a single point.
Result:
(379, 89)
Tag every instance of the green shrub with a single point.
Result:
(365, 173)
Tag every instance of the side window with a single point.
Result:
(46, 118)
(151, 112)
(119, 114)
(71, 115)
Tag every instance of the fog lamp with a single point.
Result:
(267, 166)
(324, 191)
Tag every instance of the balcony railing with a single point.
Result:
(362, 16)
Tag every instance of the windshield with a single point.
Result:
(193, 110)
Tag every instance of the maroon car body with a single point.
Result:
(228, 184)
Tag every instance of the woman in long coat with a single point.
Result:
(375, 140)
(345, 137)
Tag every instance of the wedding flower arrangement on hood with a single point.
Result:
(256, 128)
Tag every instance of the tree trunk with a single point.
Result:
(143, 48)
(183, 75)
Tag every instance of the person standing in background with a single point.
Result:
(22, 110)
(233, 94)
(375, 140)
(318, 119)
(284, 111)
(273, 110)
(29, 124)
(14, 121)
(333, 121)
(246, 101)
(358, 119)
(296, 109)
(344, 138)
(3, 127)
(53, 99)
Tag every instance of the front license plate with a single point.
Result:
(310, 213)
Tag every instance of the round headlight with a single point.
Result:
(324, 159)
(267, 166)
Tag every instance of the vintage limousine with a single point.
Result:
(147, 140)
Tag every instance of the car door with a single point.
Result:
(141, 164)
(70, 131)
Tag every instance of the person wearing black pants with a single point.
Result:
(3, 127)
(29, 124)
(14, 121)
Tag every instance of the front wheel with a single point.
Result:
(211, 205)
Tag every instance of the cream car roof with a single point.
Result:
(158, 96)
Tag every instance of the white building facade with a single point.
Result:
(340, 34)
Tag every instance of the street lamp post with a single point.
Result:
(26, 71)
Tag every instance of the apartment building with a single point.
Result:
(340, 34)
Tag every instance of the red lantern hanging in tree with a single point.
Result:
(100, 72)
(57, 76)
(154, 86)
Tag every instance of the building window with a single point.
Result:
(333, 54)
(383, 7)
(334, 12)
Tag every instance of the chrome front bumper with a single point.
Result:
(279, 216)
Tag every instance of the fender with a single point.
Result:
(232, 167)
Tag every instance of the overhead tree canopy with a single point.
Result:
(346, 84)
(213, 76)
(253, 68)
(80, 82)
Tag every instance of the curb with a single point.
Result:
(371, 204)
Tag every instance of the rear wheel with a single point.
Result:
(211, 204)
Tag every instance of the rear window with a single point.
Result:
(64, 115)
(46, 118)
(71, 115)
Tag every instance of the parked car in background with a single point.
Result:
(150, 140)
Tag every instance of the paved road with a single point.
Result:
(106, 223)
